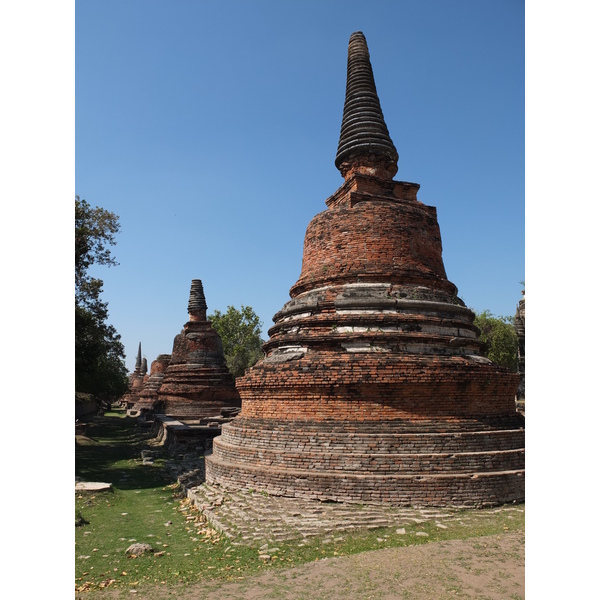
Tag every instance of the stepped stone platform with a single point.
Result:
(374, 387)
(250, 517)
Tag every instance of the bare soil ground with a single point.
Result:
(486, 568)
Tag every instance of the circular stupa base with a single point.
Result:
(441, 463)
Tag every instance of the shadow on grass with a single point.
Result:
(111, 452)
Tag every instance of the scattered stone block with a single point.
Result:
(92, 486)
(138, 549)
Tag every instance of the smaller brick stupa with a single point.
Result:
(197, 383)
(136, 380)
(137, 377)
(148, 396)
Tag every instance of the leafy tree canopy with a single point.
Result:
(500, 339)
(99, 353)
(239, 331)
(95, 230)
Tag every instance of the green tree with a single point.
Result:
(99, 354)
(95, 230)
(239, 331)
(500, 339)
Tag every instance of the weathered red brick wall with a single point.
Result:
(365, 236)
(376, 387)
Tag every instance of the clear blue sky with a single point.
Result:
(211, 129)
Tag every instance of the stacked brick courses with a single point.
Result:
(478, 490)
(374, 387)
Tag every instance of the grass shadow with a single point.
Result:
(110, 452)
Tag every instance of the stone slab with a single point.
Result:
(92, 486)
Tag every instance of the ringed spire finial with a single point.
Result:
(365, 144)
(197, 302)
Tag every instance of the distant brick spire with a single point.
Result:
(138, 360)
(364, 139)
(144, 366)
(197, 302)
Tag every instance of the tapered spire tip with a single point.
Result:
(197, 301)
(365, 143)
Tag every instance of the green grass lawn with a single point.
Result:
(146, 506)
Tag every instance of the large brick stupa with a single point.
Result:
(374, 388)
(197, 383)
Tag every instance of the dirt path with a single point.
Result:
(485, 568)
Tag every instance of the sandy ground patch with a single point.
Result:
(486, 568)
